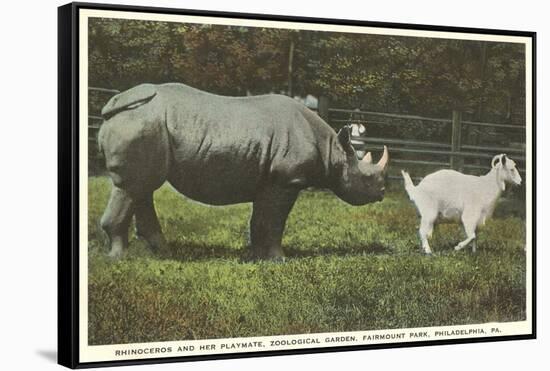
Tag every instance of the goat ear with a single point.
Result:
(503, 160)
(502, 185)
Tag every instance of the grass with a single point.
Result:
(349, 269)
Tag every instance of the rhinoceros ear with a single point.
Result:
(345, 140)
(344, 135)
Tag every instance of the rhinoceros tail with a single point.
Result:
(129, 99)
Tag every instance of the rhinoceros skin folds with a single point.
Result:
(224, 150)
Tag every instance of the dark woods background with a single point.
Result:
(429, 77)
(425, 76)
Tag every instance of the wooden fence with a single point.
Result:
(459, 144)
(466, 146)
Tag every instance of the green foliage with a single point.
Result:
(426, 76)
(349, 268)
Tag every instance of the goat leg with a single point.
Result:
(469, 220)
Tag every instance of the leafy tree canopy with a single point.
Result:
(428, 76)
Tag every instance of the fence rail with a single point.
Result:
(422, 118)
(456, 153)
(367, 146)
(428, 154)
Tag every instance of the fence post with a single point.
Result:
(456, 141)
(322, 108)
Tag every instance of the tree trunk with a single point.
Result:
(290, 61)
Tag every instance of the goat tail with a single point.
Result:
(409, 185)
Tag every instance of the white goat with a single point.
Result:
(449, 194)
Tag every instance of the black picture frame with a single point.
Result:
(68, 180)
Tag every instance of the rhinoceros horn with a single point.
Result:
(383, 163)
(368, 158)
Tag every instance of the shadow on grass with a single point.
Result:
(202, 252)
(371, 249)
(199, 252)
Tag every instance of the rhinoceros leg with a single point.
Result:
(269, 213)
(147, 223)
(116, 220)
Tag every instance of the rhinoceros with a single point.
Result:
(222, 150)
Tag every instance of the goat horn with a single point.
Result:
(384, 159)
(496, 159)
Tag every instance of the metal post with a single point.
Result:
(456, 140)
(322, 108)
